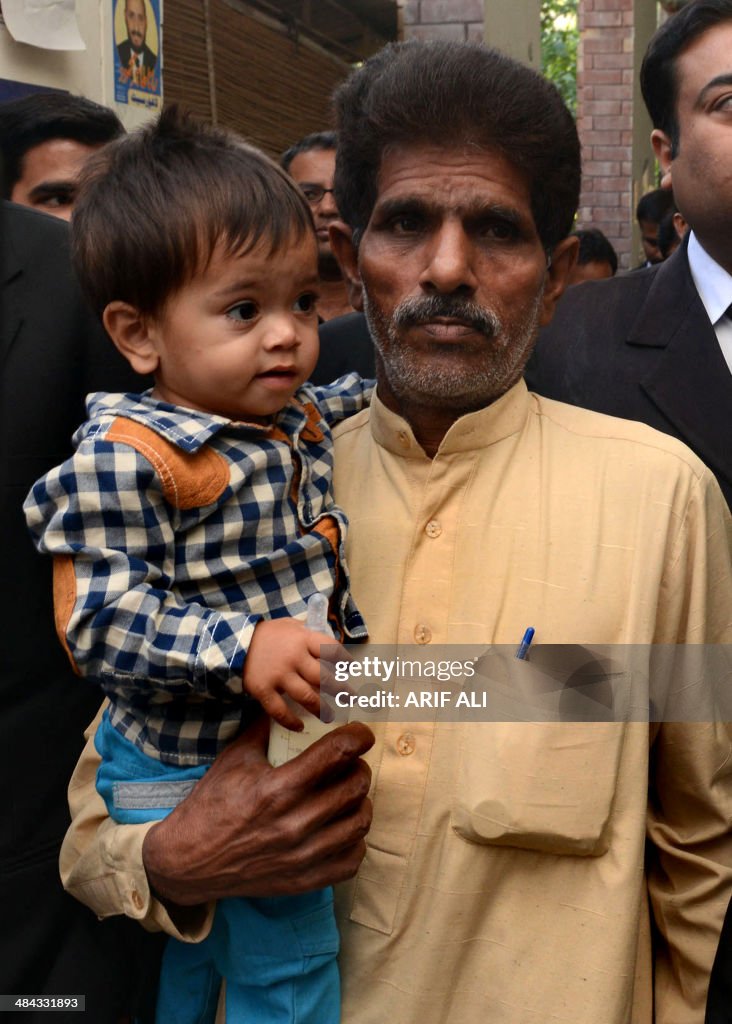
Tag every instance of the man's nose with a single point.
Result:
(450, 259)
(327, 205)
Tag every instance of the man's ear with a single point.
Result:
(130, 332)
(341, 242)
(663, 148)
(564, 257)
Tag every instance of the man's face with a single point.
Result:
(649, 241)
(313, 171)
(136, 22)
(454, 276)
(701, 171)
(50, 175)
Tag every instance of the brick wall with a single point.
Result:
(605, 78)
(443, 19)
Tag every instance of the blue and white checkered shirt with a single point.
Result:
(173, 533)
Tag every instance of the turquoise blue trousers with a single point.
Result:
(278, 956)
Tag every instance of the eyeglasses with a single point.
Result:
(314, 193)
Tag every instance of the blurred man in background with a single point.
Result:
(45, 140)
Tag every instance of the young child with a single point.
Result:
(195, 520)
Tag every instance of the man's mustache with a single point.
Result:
(416, 311)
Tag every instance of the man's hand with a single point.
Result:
(248, 829)
(284, 657)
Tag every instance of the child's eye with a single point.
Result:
(306, 303)
(242, 311)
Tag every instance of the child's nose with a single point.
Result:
(282, 332)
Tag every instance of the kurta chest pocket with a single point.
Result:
(546, 786)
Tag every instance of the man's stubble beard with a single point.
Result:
(467, 385)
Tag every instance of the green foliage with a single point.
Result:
(559, 36)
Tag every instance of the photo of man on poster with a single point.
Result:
(137, 59)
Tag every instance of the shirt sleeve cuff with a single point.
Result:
(101, 863)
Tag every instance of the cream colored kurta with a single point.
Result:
(504, 881)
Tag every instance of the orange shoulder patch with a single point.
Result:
(64, 599)
(311, 431)
(189, 481)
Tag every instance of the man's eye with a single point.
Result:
(242, 311)
(500, 231)
(405, 224)
(305, 303)
(56, 201)
(313, 193)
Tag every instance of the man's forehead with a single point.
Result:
(458, 177)
(313, 164)
(57, 158)
(705, 58)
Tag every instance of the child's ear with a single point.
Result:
(341, 242)
(129, 330)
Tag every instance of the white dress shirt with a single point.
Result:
(714, 285)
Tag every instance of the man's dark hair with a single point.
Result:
(658, 78)
(316, 140)
(34, 119)
(594, 247)
(456, 94)
(654, 205)
(154, 206)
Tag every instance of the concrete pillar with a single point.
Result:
(514, 27)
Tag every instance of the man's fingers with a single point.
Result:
(252, 830)
(329, 757)
(328, 854)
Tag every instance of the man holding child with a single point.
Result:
(512, 872)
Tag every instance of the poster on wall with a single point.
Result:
(138, 58)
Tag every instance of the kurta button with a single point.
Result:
(433, 528)
(406, 744)
(422, 634)
(137, 900)
(403, 437)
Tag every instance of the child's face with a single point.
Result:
(241, 337)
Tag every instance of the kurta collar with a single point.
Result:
(502, 418)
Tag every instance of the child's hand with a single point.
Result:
(284, 657)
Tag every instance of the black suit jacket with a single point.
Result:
(52, 352)
(125, 52)
(641, 346)
(345, 347)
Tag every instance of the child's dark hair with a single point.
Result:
(154, 205)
